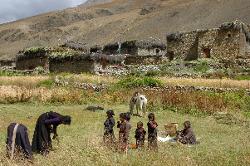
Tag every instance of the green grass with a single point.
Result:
(80, 143)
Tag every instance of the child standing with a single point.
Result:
(109, 136)
(124, 127)
(140, 135)
(152, 132)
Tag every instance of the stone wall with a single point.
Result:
(151, 52)
(72, 66)
(221, 44)
(142, 60)
(111, 49)
(7, 63)
(182, 46)
(31, 63)
(228, 42)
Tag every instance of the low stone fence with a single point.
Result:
(100, 87)
(197, 89)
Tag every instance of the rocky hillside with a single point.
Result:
(95, 2)
(118, 20)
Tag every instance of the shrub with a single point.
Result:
(134, 82)
(202, 67)
(152, 73)
(46, 83)
(34, 50)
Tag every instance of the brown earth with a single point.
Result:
(119, 20)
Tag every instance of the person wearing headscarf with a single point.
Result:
(17, 143)
(46, 124)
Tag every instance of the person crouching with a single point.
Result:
(46, 124)
(109, 137)
(17, 143)
(140, 135)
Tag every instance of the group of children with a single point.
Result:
(124, 130)
(185, 136)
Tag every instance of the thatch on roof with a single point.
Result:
(69, 55)
(32, 52)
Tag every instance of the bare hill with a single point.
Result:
(119, 20)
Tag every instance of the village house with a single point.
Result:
(71, 61)
(229, 41)
(138, 52)
(31, 58)
(77, 62)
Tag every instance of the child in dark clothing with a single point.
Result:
(152, 132)
(186, 136)
(124, 127)
(140, 135)
(109, 136)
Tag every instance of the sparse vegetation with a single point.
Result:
(34, 50)
(133, 82)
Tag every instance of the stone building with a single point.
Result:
(31, 58)
(137, 52)
(77, 62)
(70, 61)
(229, 41)
(136, 48)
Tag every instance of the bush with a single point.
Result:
(152, 73)
(46, 83)
(134, 82)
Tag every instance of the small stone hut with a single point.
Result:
(31, 58)
(77, 62)
(70, 61)
(229, 41)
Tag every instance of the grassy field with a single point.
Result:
(81, 143)
(34, 81)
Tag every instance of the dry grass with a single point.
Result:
(191, 102)
(22, 81)
(32, 81)
(219, 83)
(80, 143)
(89, 78)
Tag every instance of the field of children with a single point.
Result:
(81, 143)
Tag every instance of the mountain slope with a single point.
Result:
(119, 20)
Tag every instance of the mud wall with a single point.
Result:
(31, 63)
(74, 66)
